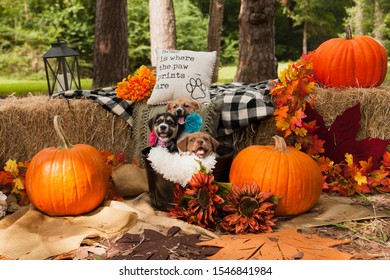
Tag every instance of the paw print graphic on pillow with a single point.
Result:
(196, 88)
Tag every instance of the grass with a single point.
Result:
(23, 87)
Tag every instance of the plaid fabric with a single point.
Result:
(243, 104)
(105, 97)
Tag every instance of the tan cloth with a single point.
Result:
(30, 234)
(331, 210)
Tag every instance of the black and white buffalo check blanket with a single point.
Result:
(243, 104)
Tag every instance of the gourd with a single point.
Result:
(285, 171)
(353, 61)
(66, 180)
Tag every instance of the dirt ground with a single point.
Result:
(370, 239)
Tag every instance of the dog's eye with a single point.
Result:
(186, 105)
(206, 139)
(170, 122)
(192, 139)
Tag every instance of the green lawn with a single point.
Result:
(24, 87)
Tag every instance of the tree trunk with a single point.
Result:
(256, 51)
(215, 32)
(378, 22)
(162, 26)
(304, 39)
(358, 17)
(111, 60)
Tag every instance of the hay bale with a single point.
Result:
(26, 126)
(375, 120)
(375, 108)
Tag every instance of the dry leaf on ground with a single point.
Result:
(282, 245)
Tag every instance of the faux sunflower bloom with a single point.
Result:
(197, 203)
(137, 87)
(249, 210)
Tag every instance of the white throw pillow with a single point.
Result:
(182, 73)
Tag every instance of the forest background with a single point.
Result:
(28, 27)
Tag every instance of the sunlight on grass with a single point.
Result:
(226, 73)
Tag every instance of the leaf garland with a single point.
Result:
(349, 166)
(290, 95)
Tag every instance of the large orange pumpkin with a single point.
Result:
(358, 61)
(288, 173)
(69, 180)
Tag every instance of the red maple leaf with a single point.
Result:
(340, 137)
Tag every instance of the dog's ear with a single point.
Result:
(214, 143)
(197, 105)
(169, 106)
(151, 122)
(182, 145)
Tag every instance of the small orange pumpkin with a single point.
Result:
(288, 173)
(69, 180)
(359, 61)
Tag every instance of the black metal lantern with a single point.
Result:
(62, 68)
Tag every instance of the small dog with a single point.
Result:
(165, 128)
(183, 106)
(199, 143)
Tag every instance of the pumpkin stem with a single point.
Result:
(280, 144)
(348, 32)
(64, 143)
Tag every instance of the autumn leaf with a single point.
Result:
(360, 179)
(340, 137)
(153, 245)
(282, 245)
(386, 159)
(12, 167)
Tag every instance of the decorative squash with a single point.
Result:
(69, 180)
(358, 61)
(288, 173)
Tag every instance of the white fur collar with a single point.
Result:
(178, 168)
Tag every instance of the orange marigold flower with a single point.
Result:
(137, 87)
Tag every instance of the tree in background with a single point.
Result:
(111, 60)
(320, 20)
(215, 32)
(162, 26)
(371, 17)
(256, 52)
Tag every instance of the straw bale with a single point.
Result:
(26, 126)
(375, 119)
(374, 107)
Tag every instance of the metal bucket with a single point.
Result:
(161, 190)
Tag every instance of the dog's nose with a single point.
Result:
(200, 141)
(179, 111)
(163, 127)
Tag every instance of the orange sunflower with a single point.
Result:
(197, 203)
(249, 210)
